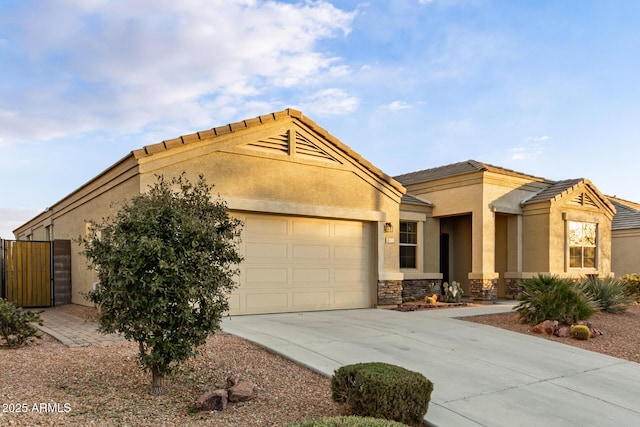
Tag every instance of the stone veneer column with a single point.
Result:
(485, 290)
(389, 292)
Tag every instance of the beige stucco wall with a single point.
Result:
(481, 195)
(428, 250)
(625, 252)
(90, 203)
(545, 235)
(286, 183)
(249, 178)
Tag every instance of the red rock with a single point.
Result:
(242, 391)
(213, 400)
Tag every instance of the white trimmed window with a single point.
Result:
(408, 244)
(583, 239)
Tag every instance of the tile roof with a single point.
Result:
(410, 200)
(626, 217)
(554, 191)
(257, 121)
(456, 169)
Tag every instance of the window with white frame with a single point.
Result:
(408, 244)
(582, 244)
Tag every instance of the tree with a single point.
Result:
(166, 264)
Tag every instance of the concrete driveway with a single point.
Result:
(483, 376)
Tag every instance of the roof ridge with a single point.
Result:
(148, 150)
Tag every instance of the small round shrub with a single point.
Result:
(350, 421)
(16, 329)
(631, 283)
(551, 298)
(381, 390)
(430, 300)
(580, 332)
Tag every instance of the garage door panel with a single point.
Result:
(350, 253)
(265, 225)
(266, 250)
(349, 230)
(353, 298)
(355, 275)
(259, 302)
(300, 264)
(310, 228)
(320, 276)
(266, 275)
(317, 300)
(311, 252)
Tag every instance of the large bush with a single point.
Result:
(381, 390)
(16, 326)
(166, 263)
(552, 298)
(609, 295)
(632, 285)
(350, 421)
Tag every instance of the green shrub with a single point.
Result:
(381, 390)
(350, 421)
(632, 285)
(15, 324)
(581, 332)
(609, 295)
(551, 298)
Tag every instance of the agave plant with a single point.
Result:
(609, 295)
(552, 298)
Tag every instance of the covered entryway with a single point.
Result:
(303, 264)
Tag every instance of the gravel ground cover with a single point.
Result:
(52, 385)
(621, 332)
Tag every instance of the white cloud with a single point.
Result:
(398, 105)
(10, 218)
(125, 65)
(538, 138)
(529, 150)
(329, 102)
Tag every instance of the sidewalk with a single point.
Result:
(73, 331)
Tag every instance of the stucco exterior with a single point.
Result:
(625, 238)
(282, 163)
(498, 226)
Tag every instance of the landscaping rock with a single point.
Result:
(213, 400)
(242, 391)
(563, 332)
(547, 327)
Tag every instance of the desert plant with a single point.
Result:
(429, 300)
(16, 326)
(609, 295)
(551, 298)
(452, 292)
(166, 264)
(631, 283)
(580, 332)
(347, 421)
(381, 390)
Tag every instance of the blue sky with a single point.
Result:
(549, 88)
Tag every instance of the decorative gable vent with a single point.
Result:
(306, 148)
(273, 144)
(583, 199)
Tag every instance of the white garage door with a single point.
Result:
(302, 264)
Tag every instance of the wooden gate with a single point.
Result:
(27, 273)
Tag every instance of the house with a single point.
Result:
(488, 228)
(314, 212)
(625, 237)
(325, 229)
